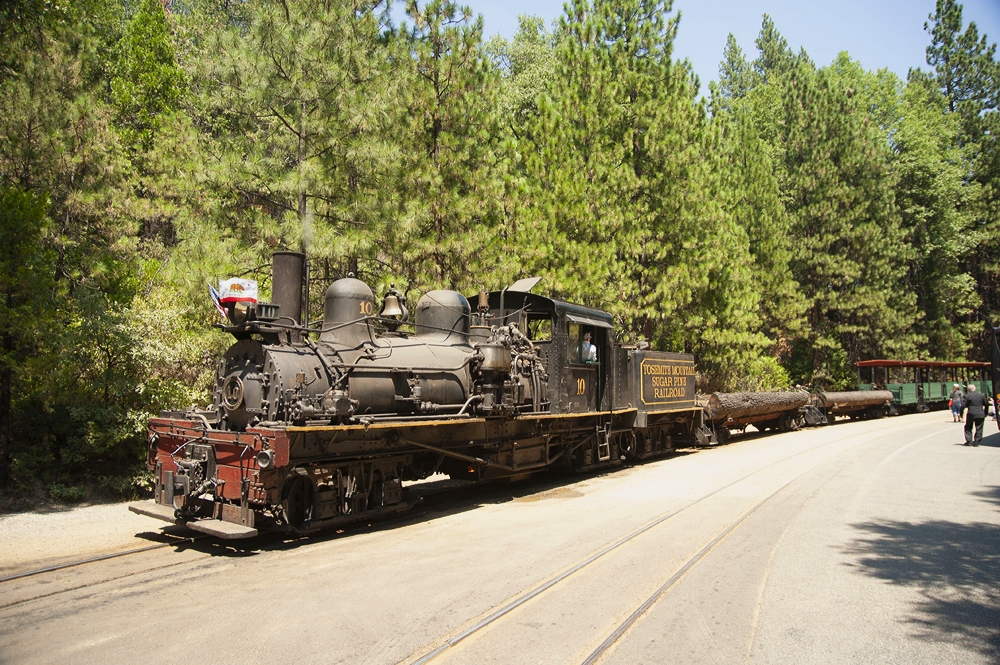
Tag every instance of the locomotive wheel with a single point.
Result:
(299, 501)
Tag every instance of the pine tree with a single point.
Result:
(754, 201)
(293, 118)
(850, 253)
(736, 77)
(937, 204)
(450, 176)
(775, 58)
(626, 190)
(968, 75)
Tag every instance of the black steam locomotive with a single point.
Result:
(310, 428)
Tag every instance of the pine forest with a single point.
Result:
(781, 225)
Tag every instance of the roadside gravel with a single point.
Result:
(42, 538)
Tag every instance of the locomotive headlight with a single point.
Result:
(265, 459)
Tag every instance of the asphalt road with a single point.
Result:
(867, 542)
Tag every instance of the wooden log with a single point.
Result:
(853, 400)
(742, 405)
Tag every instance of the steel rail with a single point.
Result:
(40, 571)
(16, 603)
(649, 602)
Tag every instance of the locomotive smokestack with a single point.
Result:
(287, 275)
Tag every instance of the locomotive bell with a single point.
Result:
(390, 307)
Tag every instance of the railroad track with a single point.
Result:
(493, 619)
(434, 500)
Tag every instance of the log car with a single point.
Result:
(725, 412)
(855, 403)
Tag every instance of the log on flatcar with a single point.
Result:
(764, 410)
(856, 403)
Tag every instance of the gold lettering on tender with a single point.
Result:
(668, 380)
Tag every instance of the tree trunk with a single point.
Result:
(853, 399)
(5, 400)
(742, 405)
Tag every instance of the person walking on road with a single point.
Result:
(975, 405)
(956, 404)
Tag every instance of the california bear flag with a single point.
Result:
(238, 290)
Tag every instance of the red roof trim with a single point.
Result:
(920, 363)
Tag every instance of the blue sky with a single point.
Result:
(878, 33)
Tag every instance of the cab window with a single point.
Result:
(578, 345)
(539, 328)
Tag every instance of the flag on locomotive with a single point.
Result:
(237, 290)
(233, 292)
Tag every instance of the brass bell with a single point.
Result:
(390, 307)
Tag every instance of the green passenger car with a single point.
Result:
(922, 385)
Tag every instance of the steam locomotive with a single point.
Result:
(304, 434)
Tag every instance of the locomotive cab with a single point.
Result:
(560, 332)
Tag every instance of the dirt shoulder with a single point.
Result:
(41, 538)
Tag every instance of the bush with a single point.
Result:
(66, 494)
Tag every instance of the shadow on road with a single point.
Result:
(956, 568)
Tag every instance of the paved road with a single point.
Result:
(869, 542)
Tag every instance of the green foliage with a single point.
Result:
(148, 83)
(736, 78)
(449, 224)
(527, 66)
(821, 215)
(775, 59)
(63, 494)
(851, 252)
(292, 126)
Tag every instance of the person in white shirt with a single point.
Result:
(589, 350)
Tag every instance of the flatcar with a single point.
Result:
(786, 411)
(922, 385)
(315, 427)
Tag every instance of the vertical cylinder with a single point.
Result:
(287, 271)
(348, 300)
